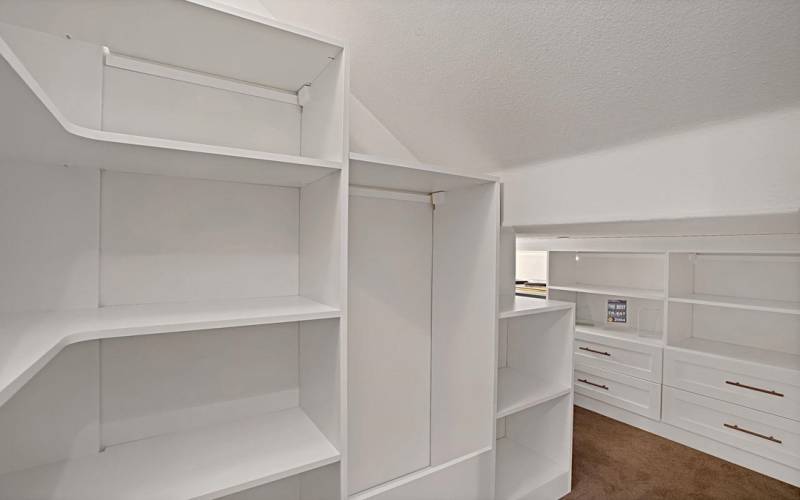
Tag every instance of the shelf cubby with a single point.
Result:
(534, 451)
(635, 275)
(534, 352)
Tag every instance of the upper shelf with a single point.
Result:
(515, 305)
(776, 306)
(205, 463)
(28, 341)
(382, 173)
(200, 35)
(616, 291)
(33, 130)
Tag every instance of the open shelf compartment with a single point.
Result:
(85, 88)
(533, 452)
(534, 358)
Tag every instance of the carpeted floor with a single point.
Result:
(614, 461)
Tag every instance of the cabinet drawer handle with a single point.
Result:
(744, 386)
(756, 434)
(594, 351)
(605, 387)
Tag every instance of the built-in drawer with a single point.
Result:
(769, 436)
(765, 388)
(607, 352)
(623, 391)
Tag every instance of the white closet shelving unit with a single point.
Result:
(534, 391)
(174, 191)
(422, 321)
(710, 355)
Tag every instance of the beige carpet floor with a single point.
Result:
(615, 461)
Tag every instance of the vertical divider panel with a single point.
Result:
(320, 245)
(322, 124)
(466, 232)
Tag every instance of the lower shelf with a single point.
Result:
(517, 391)
(522, 473)
(204, 463)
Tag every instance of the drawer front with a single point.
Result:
(762, 388)
(769, 436)
(619, 355)
(626, 392)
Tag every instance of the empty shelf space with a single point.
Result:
(204, 463)
(520, 471)
(776, 306)
(29, 341)
(46, 137)
(641, 337)
(383, 173)
(739, 352)
(615, 291)
(517, 391)
(514, 305)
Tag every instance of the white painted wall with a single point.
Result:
(369, 136)
(750, 165)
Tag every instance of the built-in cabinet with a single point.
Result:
(710, 345)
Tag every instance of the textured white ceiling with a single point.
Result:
(491, 84)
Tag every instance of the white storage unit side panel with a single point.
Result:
(540, 344)
(146, 105)
(69, 71)
(323, 133)
(389, 339)
(157, 384)
(321, 212)
(320, 375)
(49, 244)
(54, 416)
(466, 232)
(166, 239)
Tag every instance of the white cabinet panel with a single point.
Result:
(389, 339)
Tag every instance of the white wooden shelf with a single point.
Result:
(28, 341)
(204, 463)
(33, 130)
(773, 359)
(517, 391)
(639, 293)
(521, 472)
(775, 306)
(384, 173)
(641, 337)
(512, 306)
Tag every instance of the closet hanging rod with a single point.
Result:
(129, 63)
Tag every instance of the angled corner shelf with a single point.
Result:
(774, 306)
(33, 130)
(205, 463)
(398, 175)
(637, 293)
(517, 391)
(29, 341)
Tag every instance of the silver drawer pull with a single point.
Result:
(752, 433)
(594, 351)
(605, 387)
(744, 386)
